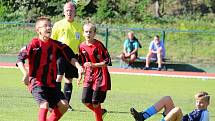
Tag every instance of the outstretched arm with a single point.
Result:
(20, 63)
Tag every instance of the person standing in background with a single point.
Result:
(69, 32)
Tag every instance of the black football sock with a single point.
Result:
(68, 91)
(58, 85)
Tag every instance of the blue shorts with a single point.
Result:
(154, 55)
(47, 94)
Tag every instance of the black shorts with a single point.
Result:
(47, 94)
(91, 96)
(63, 66)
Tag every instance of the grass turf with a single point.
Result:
(17, 104)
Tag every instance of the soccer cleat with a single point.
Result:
(104, 112)
(146, 68)
(137, 116)
(70, 108)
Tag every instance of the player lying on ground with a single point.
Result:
(172, 113)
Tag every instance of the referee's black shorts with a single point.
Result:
(65, 67)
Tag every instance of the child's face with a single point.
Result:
(201, 104)
(156, 39)
(44, 29)
(88, 33)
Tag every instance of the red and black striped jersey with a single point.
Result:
(42, 58)
(98, 78)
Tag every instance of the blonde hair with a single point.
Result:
(88, 23)
(203, 96)
(42, 18)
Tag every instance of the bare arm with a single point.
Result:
(25, 78)
(134, 51)
(74, 62)
(95, 65)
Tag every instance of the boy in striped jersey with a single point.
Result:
(42, 53)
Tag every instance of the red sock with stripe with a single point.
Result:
(42, 114)
(55, 115)
(98, 113)
(90, 106)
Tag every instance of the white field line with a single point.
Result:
(165, 75)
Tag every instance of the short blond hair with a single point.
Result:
(42, 18)
(202, 96)
(92, 25)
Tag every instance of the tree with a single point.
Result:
(157, 4)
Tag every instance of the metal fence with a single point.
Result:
(188, 46)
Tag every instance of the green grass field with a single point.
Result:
(17, 104)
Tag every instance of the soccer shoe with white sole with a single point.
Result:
(70, 108)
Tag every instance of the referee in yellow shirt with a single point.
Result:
(69, 32)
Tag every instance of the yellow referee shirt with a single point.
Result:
(70, 33)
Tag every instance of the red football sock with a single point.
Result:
(90, 106)
(55, 115)
(42, 114)
(98, 113)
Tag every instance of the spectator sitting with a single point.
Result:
(130, 51)
(156, 50)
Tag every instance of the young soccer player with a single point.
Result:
(95, 59)
(172, 113)
(42, 53)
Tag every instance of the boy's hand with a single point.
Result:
(80, 72)
(127, 54)
(88, 64)
(25, 79)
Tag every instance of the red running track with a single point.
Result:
(202, 75)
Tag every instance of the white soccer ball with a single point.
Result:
(81, 2)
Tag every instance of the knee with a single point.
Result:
(44, 105)
(177, 110)
(96, 105)
(59, 78)
(133, 57)
(122, 56)
(65, 103)
(167, 98)
(86, 104)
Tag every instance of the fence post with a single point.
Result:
(163, 36)
(106, 37)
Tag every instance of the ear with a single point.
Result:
(37, 30)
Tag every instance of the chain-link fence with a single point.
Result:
(187, 46)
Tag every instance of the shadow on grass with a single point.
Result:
(119, 112)
(170, 67)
